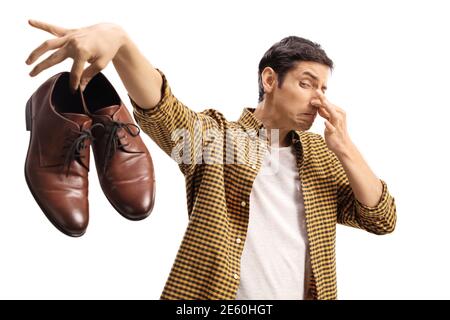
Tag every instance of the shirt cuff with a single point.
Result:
(156, 113)
(380, 208)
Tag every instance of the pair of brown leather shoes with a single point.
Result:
(63, 126)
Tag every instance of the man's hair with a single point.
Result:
(284, 55)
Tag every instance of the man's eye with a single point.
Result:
(305, 84)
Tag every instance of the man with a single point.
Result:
(264, 194)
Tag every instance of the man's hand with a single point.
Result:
(336, 134)
(96, 45)
(366, 187)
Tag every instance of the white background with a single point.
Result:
(391, 76)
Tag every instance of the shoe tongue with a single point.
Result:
(78, 118)
(107, 111)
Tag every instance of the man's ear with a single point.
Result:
(269, 79)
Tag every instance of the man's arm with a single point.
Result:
(363, 200)
(366, 187)
(354, 206)
(178, 130)
(158, 112)
(142, 81)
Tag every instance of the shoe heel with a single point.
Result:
(28, 115)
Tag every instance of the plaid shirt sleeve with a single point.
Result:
(175, 128)
(380, 219)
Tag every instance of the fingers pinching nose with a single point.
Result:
(316, 103)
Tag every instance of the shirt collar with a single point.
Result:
(249, 121)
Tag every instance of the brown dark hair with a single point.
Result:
(284, 55)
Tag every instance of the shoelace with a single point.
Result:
(77, 145)
(113, 142)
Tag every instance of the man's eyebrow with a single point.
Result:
(314, 77)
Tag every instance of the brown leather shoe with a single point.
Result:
(124, 165)
(57, 163)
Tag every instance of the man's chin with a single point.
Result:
(303, 127)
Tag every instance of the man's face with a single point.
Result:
(297, 101)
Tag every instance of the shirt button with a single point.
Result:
(238, 240)
(243, 203)
(236, 276)
(254, 166)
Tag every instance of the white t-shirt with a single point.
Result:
(275, 261)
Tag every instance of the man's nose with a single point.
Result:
(316, 103)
